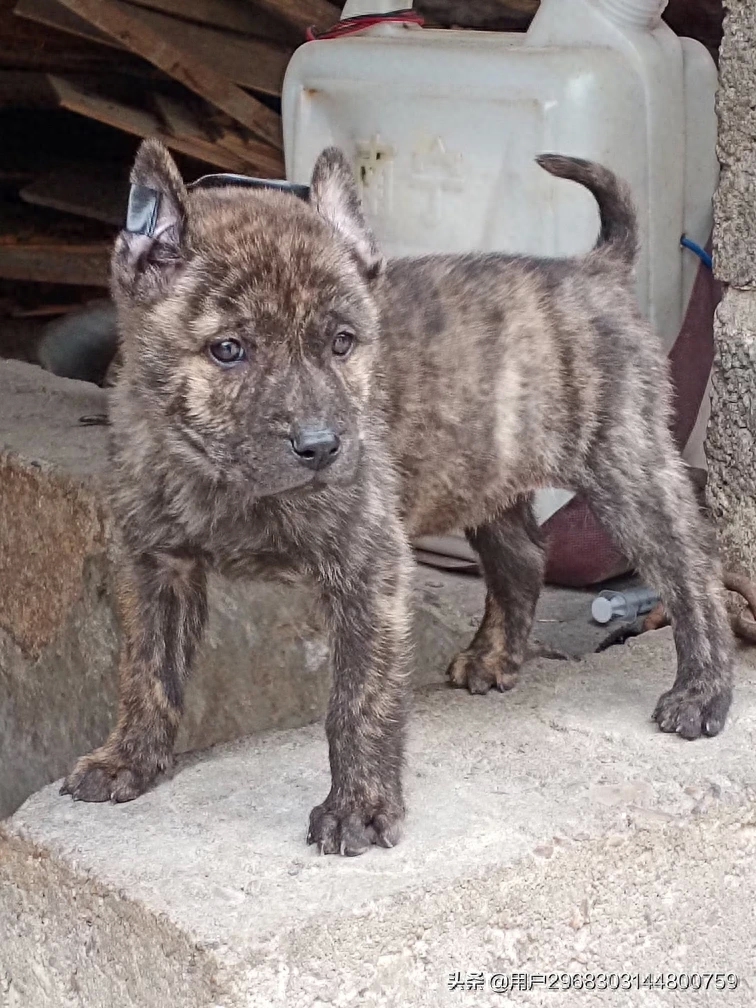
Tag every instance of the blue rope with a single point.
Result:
(702, 254)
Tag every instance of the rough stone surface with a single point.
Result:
(731, 436)
(264, 661)
(551, 829)
(731, 439)
(735, 202)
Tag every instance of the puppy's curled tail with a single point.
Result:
(619, 228)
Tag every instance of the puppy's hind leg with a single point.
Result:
(513, 558)
(642, 495)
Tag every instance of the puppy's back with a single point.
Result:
(496, 366)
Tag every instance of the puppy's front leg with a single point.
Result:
(369, 616)
(163, 609)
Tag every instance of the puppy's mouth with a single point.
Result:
(319, 482)
(270, 474)
(313, 486)
(302, 483)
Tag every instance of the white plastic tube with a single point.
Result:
(629, 604)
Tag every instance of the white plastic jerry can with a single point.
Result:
(442, 127)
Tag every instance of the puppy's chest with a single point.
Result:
(246, 545)
(267, 540)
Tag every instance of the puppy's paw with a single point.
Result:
(350, 828)
(478, 672)
(104, 775)
(692, 713)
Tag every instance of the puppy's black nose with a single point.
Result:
(315, 447)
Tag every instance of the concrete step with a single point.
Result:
(551, 830)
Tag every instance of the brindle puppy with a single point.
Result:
(289, 403)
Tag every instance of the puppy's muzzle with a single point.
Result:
(316, 447)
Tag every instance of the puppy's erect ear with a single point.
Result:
(333, 193)
(152, 245)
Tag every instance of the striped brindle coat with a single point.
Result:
(292, 405)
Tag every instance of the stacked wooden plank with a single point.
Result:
(230, 54)
(203, 75)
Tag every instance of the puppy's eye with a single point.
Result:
(227, 351)
(342, 344)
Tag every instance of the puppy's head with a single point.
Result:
(248, 327)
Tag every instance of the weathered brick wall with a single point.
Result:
(731, 439)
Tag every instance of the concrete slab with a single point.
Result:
(563, 617)
(551, 830)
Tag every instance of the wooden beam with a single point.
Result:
(181, 122)
(87, 190)
(51, 14)
(24, 45)
(232, 15)
(140, 123)
(118, 21)
(262, 160)
(83, 265)
(303, 14)
(249, 62)
(94, 106)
